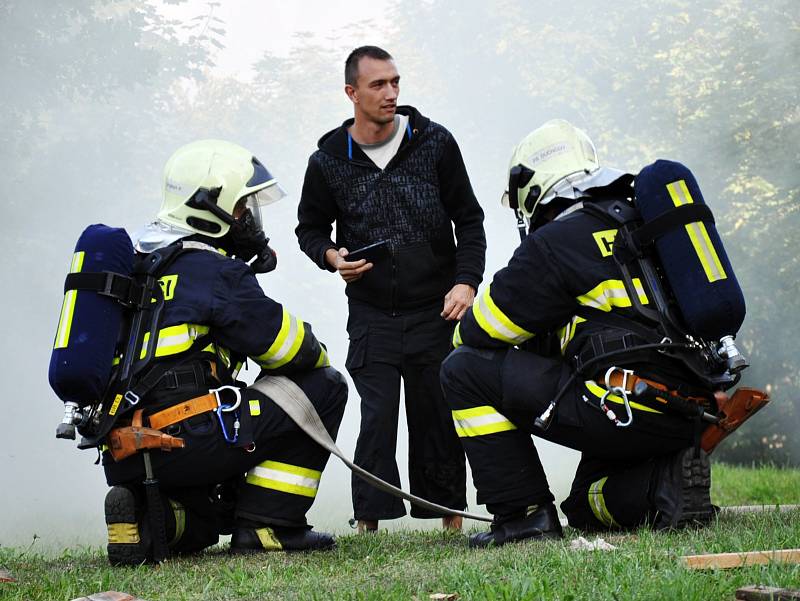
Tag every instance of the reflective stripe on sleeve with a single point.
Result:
(567, 333)
(323, 360)
(479, 421)
(174, 339)
(496, 323)
(68, 307)
(598, 504)
(680, 195)
(611, 293)
(286, 343)
(285, 477)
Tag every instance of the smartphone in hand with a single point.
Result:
(372, 253)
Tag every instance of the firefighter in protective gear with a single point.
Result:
(246, 468)
(515, 353)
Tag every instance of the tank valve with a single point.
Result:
(728, 350)
(72, 416)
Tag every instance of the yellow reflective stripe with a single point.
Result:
(268, 539)
(322, 360)
(567, 333)
(174, 339)
(179, 513)
(496, 323)
(598, 504)
(255, 407)
(286, 343)
(68, 306)
(698, 234)
(612, 293)
(221, 352)
(599, 391)
(123, 533)
(457, 342)
(285, 478)
(479, 421)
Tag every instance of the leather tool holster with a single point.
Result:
(732, 413)
(129, 440)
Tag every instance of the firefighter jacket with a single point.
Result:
(215, 299)
(415, 203)
(559, 269)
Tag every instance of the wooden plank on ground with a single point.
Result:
(738, 560)
(109, 596)
(739, 509)
(766, 593)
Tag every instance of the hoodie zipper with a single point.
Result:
(404, 149)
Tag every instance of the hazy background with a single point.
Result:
(96, 95)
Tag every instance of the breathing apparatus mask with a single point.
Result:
(246, 237)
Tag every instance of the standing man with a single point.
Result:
(392, 175)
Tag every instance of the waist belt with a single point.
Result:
(129, 440)
(616, 377)
(651, 394)
(185, 410)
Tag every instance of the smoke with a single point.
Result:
(103, 93)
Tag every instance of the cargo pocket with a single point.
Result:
(357, 350)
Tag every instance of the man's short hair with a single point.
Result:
(351, 64)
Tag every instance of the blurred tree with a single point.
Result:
(86, 75)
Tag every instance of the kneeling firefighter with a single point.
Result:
(146, 358)
(581, 341)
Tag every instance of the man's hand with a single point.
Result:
(457, 301)
(350, 271)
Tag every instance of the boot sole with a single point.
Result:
(120, 508)
(696, 493)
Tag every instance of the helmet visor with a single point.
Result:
(263, 197)
(272, 193)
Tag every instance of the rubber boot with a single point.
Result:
(128, 532)
(279, 538)
(537, 522)
(682, 490)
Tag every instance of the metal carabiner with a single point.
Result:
(228, 438)
(610, 414)
(225, 406)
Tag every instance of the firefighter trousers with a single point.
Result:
(495, 396)
(273, 483)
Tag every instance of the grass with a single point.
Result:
(409, 565)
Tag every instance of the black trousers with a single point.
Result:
(495, 397)
(383, 349)
(275, 484)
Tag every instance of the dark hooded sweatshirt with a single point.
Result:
(410, 204)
